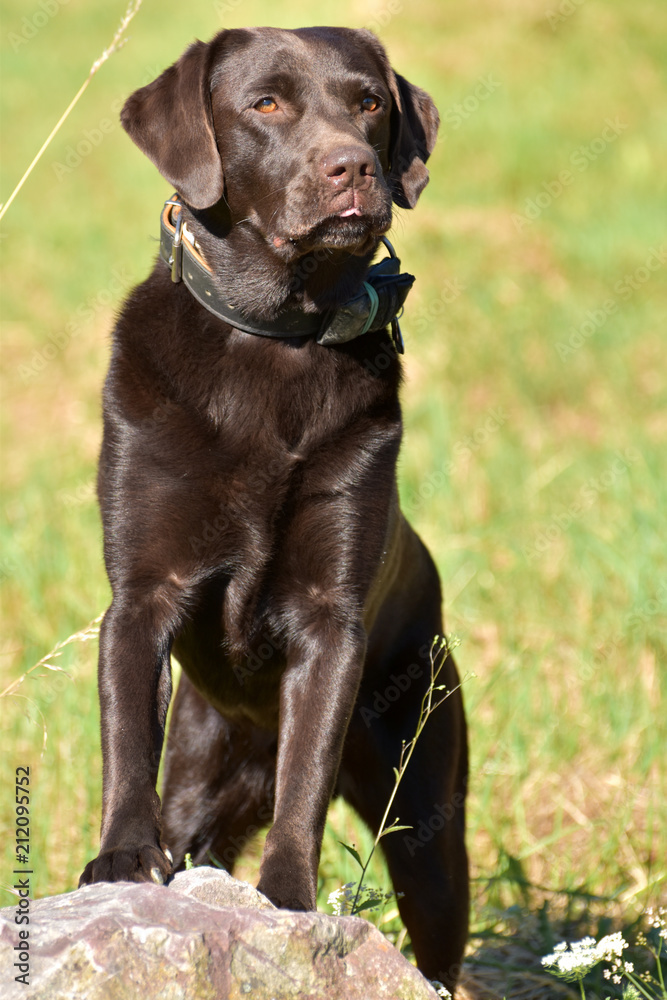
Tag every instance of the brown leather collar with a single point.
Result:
(375, 307)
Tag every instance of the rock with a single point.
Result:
(217, 888)
(206, 936)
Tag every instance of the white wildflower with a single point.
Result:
(341, 899)
(441, 990)
(573, 963)
(611, 947)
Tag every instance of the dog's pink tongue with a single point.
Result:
(349, 211)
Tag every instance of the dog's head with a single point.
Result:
(308, 134)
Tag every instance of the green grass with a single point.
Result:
(550, 547)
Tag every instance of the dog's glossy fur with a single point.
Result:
(248, 494)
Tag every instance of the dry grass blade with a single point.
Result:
(117, 42)
(91, 631)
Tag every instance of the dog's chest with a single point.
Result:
(253, 477)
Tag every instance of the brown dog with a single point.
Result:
(248, 488)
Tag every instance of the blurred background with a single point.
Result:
(535, 410)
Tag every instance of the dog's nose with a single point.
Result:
(349, 166)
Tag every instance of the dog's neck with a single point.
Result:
(280, 277)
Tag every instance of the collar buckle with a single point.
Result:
(176, 256)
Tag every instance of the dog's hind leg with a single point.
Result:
(218, 781)
(427, 863)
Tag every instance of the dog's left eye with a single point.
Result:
(370, 104)
(266, 105)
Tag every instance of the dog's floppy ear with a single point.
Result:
(171, 121)
(414, 130)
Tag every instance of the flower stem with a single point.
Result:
(659, 968)
(427, 708)
(638, 985)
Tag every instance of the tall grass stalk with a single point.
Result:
(117, 43)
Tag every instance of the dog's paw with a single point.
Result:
(132, 864)
(285, 893)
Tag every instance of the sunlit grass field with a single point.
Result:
(535, 403)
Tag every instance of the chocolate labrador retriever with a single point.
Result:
(247, 484)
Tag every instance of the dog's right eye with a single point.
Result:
(266, 105)
(370, 103)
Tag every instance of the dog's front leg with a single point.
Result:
(135, 688)
(317, 697)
